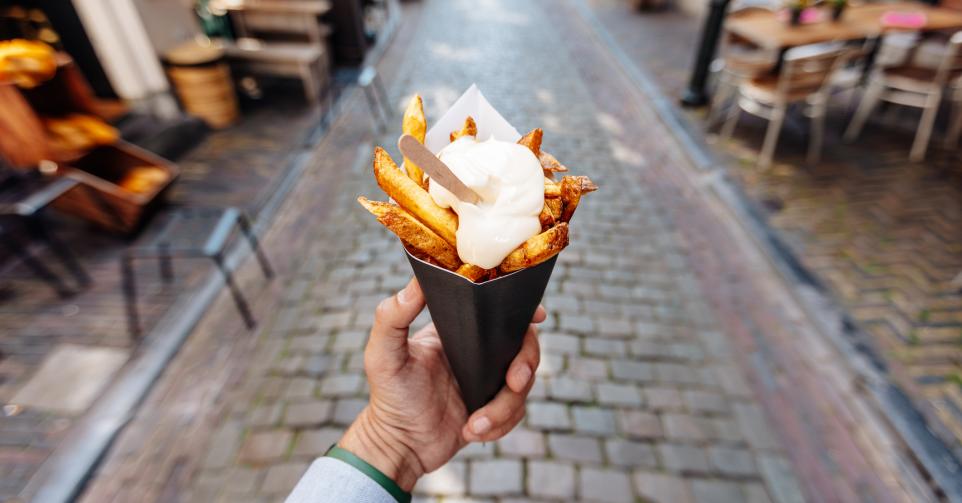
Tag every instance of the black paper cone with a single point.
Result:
(481, 325)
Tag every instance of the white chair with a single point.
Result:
(804, 79)
(740, 60)
(920, 87)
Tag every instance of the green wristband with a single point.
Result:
(383, 480)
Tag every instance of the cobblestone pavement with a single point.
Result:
(239, 166)
(881, 233)
(642, 393)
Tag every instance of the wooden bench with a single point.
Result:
(306, 61)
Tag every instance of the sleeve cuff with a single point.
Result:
(373, 473)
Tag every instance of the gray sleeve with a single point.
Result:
(330, 480)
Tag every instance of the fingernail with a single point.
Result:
(524, 374)
(481, 425)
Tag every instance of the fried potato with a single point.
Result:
(551, 189)
(550, 165)
(413, 198)
(537, 249)
(414, 124)
(412, 232)
(555, 206)
(476, 274)
(470, 128)
(546, 218)
(572, 188)
(532, 140)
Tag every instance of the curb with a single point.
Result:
(934, 456)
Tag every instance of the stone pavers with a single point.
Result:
(639, 394)
(881, 233)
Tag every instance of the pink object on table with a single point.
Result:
(809, 16)
(903, 19)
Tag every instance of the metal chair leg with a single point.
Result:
(37, 267)
(723, 95)
(771, 136)
(38, 227)
(921, 142)
(375, 109)
(382, 94)
(872, 95)
(248, 231)
(818, 131)
(729, 128)
(235, 292)
(130, 295)
(166, 263)
(955, 126)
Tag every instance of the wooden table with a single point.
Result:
(766, 30)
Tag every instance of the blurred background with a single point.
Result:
(763, 304)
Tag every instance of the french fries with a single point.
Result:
(532, 140)
(537, 249)
(470, 128)
(551, 189)
(414, 124)
(555, 206)
(550, 165)
(412, 232)
(429, 232)
(546, 217)
(413, 198)
(474, 273)
(572, 188)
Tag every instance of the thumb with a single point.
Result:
(387, 346)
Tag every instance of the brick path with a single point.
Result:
(881, 233)
(642, 393)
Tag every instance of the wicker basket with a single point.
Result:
(203, 83)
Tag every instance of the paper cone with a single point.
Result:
(481, 325)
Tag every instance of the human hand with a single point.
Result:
(415, 420)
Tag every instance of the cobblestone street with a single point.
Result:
(647, 389)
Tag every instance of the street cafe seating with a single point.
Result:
(741, 60)
(804, 79)
(920, 87)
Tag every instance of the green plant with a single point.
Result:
(838, 3)
(797, 4)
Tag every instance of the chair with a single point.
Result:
(804, 79)
(194, 233)
(23, 196)
(920, 87)
(741, 60)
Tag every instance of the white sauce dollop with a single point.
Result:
(510, 182)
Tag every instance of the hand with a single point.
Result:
(415, 420)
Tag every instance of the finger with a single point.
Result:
(496, 418)
(539, 315)
(524, 365)
(388, 343)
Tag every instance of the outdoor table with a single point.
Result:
(766, 30)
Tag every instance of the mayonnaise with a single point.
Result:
(510, 182)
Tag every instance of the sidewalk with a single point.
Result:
(650, 387)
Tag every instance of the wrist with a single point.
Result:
(369, 440)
